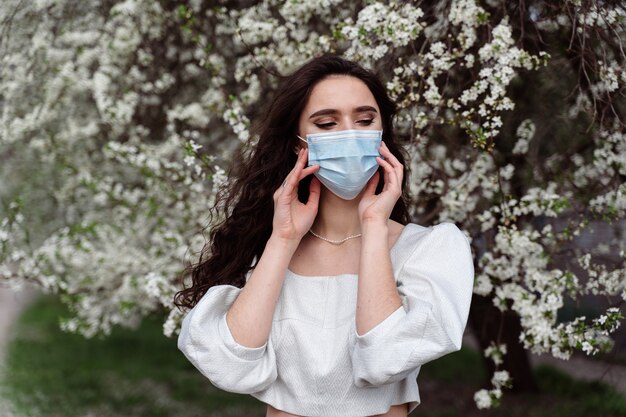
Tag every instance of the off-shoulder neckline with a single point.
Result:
(392, 252)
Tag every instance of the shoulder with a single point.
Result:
(443, 230)
(436, 241)
(451, 231)
(438, 250)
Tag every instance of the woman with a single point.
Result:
(319, 297)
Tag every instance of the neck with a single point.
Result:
(337, 218)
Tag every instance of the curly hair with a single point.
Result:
(235, 242)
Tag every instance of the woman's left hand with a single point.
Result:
(374, 207)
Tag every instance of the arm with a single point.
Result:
(226, 335)
(377, 295)
(435, 285)
(208, 344)
(250, 317)
(240, 358)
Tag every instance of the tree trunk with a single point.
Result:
(486, 322)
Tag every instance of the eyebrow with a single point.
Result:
(334, 111)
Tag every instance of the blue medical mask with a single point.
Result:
(347, 159)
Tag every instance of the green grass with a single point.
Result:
(464, 367)
(447, 386)
(142, 373)
(131, 373)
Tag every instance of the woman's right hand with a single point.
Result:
(292, 219)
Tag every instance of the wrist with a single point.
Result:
(374, 223)
(283, 243)
(374, 227)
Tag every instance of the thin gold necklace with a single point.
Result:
(334, 242)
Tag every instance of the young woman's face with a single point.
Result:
(339, 102)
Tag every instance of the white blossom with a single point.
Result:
(133, 114)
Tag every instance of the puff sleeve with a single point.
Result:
(208, 344)
(435, 285)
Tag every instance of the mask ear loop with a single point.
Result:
(381, 141)
(294, 151)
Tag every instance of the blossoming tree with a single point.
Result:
(119, 119)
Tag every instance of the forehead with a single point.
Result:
(340, 92)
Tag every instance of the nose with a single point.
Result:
(350, 123)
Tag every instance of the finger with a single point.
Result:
(390, 174)
(292, 179)
(392, 182)
(391, 158)
(310, 170)
(301, 162)
(280, 190)
(388, 156)
(303, 156)
(306, 154)
(314, 193)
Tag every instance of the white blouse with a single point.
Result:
(314, 363)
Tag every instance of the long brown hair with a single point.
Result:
(242, 235)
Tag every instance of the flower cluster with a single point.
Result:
(491, 398)
(495, 352)
(525, 133)
(379, 28)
